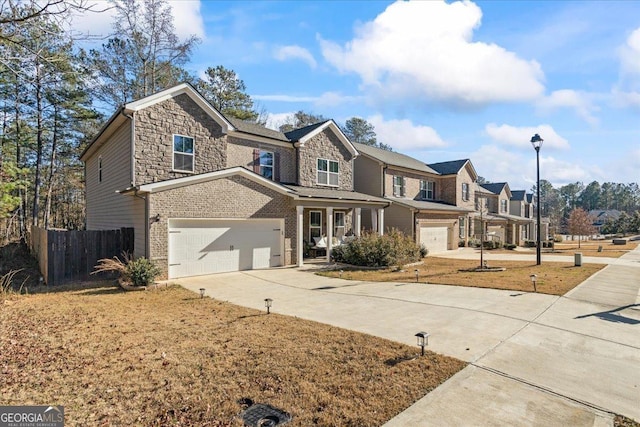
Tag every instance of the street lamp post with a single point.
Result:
(536, 141)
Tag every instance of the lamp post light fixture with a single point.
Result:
(268, 302)
(423, 340)
(201, 293)
(536, 141)
(534, 279)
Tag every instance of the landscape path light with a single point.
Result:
(268, 302)
(534, 279)
(417, 273)
(201, 293)
(423, 340)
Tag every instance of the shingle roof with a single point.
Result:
(518, 195)
(330, 193)
(296, 134)
(495, 187)
(433, 206)
(394, 159)
(448, 168)
(256, 129)
(530, 198)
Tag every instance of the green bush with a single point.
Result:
(557, 238)
(461, 243)
(373, 250)
(510, 246)
(141, 271)
(492, 244)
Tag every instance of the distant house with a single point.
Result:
(601, 217)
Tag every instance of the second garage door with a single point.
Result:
(434, 238)
(199, 246)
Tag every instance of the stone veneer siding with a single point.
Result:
(240, 153)
(155, 127)
(234, 197)
(325, 145)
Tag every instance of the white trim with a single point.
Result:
(173, 153)
(210, 176)
(183, 88)
(336, 129)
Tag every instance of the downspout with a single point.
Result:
(384, 177)
(133, 147)
(146, 223)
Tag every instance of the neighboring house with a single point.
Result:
(424, 201)
(520, 205)
(502, 213)
(601, 217)
(206, 193)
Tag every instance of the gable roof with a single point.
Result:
(300, 136)
(494, 187)
(530, 198)
(394, 159)
(448, 168)
(518, 195)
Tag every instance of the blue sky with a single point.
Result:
(444, 80)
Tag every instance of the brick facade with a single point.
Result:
(235, 197)
(325, 145)
(155, 127)
(240, 153)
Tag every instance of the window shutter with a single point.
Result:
(256, 161)
(276, 167)
(402, 189)
(433, 197)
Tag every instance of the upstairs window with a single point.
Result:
(465, 191)
(427, 190)
(398, 186)
(183, 153)
(266, 164)
(503, 205)
(328, 172)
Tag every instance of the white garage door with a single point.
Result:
(434, 238)
(198, 247)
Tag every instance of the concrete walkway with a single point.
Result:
(535, 360)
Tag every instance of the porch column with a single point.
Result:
(329, 233)
(300, 236)
(380, 221)
(357, 221)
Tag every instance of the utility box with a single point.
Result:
(578, 259)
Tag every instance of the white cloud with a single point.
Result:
(567, 98)
(275, 120)
(630, 53)
(521, 136)
(187, 18)
(403, 135)
(424, 51)
(626, 99)
(285, 53)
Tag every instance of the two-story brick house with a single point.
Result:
(206, 193)
(504, 214)
(431, 206)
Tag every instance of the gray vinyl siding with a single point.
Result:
(400, 217)
(367, 176)
(106, 209)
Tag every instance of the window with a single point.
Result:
(266, 164)
(503, 205)
(338, 224)
(182, 153)
(462, 227)
(315, 225)
(100, 169)
(327, 172)
(465, 191)
(427, 190)
(398, 186)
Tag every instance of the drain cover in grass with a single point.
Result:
(261, 415)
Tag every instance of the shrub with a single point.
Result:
(557, 238)
(530, 244)
(461, 243)
(373, 250)
(510, 246)
(136, 271)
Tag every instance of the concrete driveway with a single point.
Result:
(535, 360)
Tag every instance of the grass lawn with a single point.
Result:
(554, 278)
(167, 357)
(590, 248)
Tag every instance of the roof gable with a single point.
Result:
(302, 135)
(494, 187)
(518, 195)
(394, 159)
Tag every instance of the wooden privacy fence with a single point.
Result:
(65, 256)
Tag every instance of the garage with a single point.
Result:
(435, 239)
(207, 246)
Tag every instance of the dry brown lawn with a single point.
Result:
(590, 248)
(553, 278)
(167, 357)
